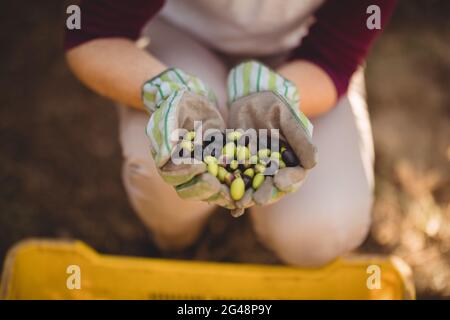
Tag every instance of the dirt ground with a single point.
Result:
(60, 160)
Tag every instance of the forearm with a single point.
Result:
(115, 68)
(317, 91)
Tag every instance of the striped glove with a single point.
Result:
(176, 100)
(259, 98)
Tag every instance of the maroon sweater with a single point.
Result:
(338, 42)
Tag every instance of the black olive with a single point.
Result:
(289, 158)
(247, 181)
(242, 166)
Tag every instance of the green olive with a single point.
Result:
(242, 153)
(257, 181)
(237, 189)
(234, 164)
(234, 135)
(228, 178)
(264, 161)
(275, 155)
(260, 168)
(229, 149)
(210, 159)
(190, 136)
(221, 173)
(253, 159)
(187, 145)
(249, 172)
(264, 153)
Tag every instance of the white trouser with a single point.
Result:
(327, 217)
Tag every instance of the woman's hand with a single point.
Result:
(180, 103)
(261, 99)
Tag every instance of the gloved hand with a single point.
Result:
(175, 100)
(259, 98)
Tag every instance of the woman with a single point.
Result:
(316, 44)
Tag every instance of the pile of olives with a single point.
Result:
(234, 163)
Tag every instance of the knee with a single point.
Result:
(137, 173)
(140, 182)
(316, 237)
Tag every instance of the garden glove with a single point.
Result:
(259, 98)
(175, 100)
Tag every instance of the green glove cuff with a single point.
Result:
(252, 76)
(158, 89)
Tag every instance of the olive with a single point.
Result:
(247, 181)
(213, 169)
(264, 161)
(237, 189)
(229, 149)
(249, 172)
(275, 155)
(210, 159)
(257, 181)
(253, 159)
(290, 158)
(228, 178)
(260, 168)
(233, 165)
(221, 173)
(190, 136)
(243, 166)
(234, 136)
(263, 153)
(242, 153)
(187, 145)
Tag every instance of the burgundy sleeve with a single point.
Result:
(339, 40)
(111, 18)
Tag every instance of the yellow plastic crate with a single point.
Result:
(37, 269)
